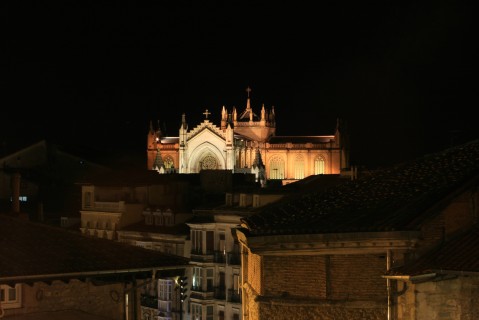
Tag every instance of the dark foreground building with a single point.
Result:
(391, 245)
(52, 273)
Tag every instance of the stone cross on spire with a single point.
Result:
(206, 113)
(248, 90)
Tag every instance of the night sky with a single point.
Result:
(90, 74)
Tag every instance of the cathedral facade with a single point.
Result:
(245, 142)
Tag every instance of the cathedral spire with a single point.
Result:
(159, 165)
(248, 113)
(258, 161)
(258, 169)
(184, 125)
(248, 101)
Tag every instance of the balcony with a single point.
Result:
(199, 256)
(220, 293)
(220, 257)
(199, 293)
(234, 295)
(234, 258)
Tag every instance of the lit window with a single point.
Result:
(197, 279)
(276, 168)
(299, 167)
(319, 165)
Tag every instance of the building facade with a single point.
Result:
(215, 273)
(234, 144)
(325, 254)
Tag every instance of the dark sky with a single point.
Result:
(92, 74)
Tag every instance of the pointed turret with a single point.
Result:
(159, 165)
(248, 113)
(224, 118)
(184, 125)
(258, 169)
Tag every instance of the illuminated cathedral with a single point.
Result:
(245, 142)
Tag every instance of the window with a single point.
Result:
(221, 243)
(158, 220)
(165, 289)
(164, 306)
(197, 279)
(196, 312)
(276, 168)
(87, 200)
(299, 167)
(209, 162)
(10, 297)
(210, 279)
(319, 165)
(236, 283)
(196, 242)
(209, 312)
(20, 198)
(221, 315)
(169, 163)
(148, 219)
(210, 242)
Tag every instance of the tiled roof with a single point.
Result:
(394, 198)
(28, 249)
(457, 254)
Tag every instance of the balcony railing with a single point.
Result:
(198, 255)
(234, 295)
(234, 258)
(199, 293)
(220, 257)
(220, 293)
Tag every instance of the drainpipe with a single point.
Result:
(388, 284)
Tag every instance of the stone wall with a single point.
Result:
(106, 300)
(295, 276)
(358, 277)
(316, 287)
(453, 299)
(333, 276)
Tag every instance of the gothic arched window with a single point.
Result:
(276, 168)
(169, 163)
(319, 165)
(299, 167)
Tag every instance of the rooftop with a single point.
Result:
(394, 198)
(36, 251)
(456, 254)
